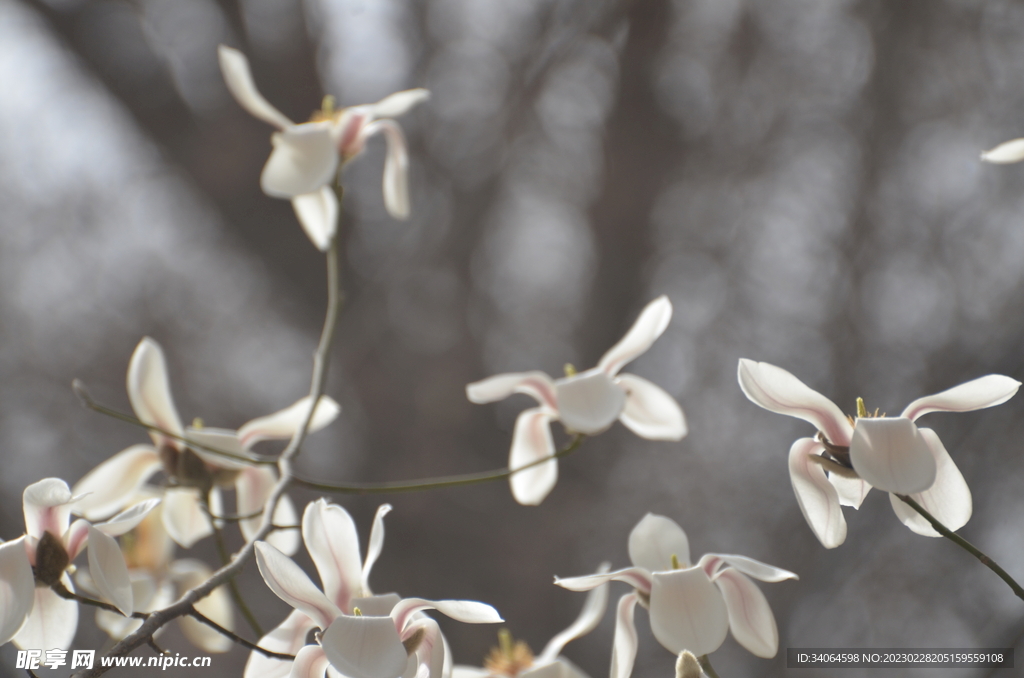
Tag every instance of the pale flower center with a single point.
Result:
(510, 658)
(589, 402)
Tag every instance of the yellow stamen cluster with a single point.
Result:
(510, 658)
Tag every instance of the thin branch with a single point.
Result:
(63, 592)
(156, 648)
(222, 551)
(199, 616)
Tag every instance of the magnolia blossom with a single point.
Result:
(361, 635)
(306, 157)
(1005, 153)
(692, 607)
(588, 402)
(191, 466)
(850, 456)
(514, 659)
(31, 613)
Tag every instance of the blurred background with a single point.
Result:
(801, 177)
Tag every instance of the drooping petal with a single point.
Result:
(589, 402)
(1005, 153)
(399, 103)
(317, 212)
(184, 519)
(976, 394)
(150, 393)
(890, 454)
(127, 519)
(750, 618)
(751, 567)
(468, 611)
(536, 384)
(375, 545)
(650, 412)
(17, 586)
(365, 647)
(852, 491)
(52, 622)
(332, 541)
(303, 161)
(637, 577)
(283, 424)
(776, 390)
(293, 586)
(430, 650)
(107, 487)
(531, 441)
(588, 619)
(46, 507)
(625, 642)
(238, 78)
(187, 574)
(109, 572)
(654, 541)
(948, 499)
(817, 497)
(645, 331)
(310, 662)
(252, 489)
(396, 168)
(287, 638)
(687, 612)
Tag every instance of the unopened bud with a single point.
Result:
(51, 560)
(687, 666)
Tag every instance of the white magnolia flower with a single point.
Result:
(850, 456)
(1005, 153)
(306, 157)
(588, 402)
(31, 613)
(514, 659)
(692, 607)
(360, 637)
(114, 484)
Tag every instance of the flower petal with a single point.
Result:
(377, 606)
(183, 518)
(399, 103)
(889, 453)
(467, 611)
(535, 384)
(46, 507)
(588, 619)
(625, 642)
(645, 331)
(127, 519)
(751, 567)
(373, 549)
(430, 650)
(396, 168)
(304, 160)
(687, 612)
(107, 487)
(948, 499)
(817, 497)
(287, 638)
(852, 491)
(531, 441)
(589, 402)
(293, 586)
(221, 439)
(365, 647)
(654, 541)
(238, 77)
(332, 541)
(976, 394)
(650, 412)
(109, 572)
(310, 662)
(637, 577)
(463, 671)
(750, 618)
(283, 424)
(187, 574)
(150, 393)
(52, 622)
(317, 211)
(1005, 153)
(252, 489)
(17, 585)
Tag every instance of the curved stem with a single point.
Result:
(965, 545)
(705, 664)
(199, 616)
(63, 592)
(222, 551)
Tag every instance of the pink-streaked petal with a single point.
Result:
(252, 489)
(396, 168)
(1005, 153)
(776, 390)
(317, 212)
(976, 394)
(750, 618)
(645, 331)
(17, 585)
(531, 441)
(851, 491)
(751, 567)
(625, 642)
(536, 384)
(287, 638)
(76, 538)
(817, 497)
(430, 652)
(187, 574)
(183, 517)
(637, 577)
(293, 586)
(332, 541)
(107, 488)
(687, 612)
(650, 412)
(948, 499)
(365, 647)
(588, 619)
(890, 454)
(399, 103)
(46, 507)
(589, 402)
(127, 519)
(467, 611)
(373, 549)
(52, 622)
(283, 424)
(303, 161)
(310, 662)
(150, 393)
(238, 78)
(221, 439)
(654, 541)
(109, 572)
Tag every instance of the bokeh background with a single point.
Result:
(801, 177)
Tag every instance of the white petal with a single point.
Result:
(751, 567)
(852, 491)
(317, 211)
(222, 439)
(52, 622)
(1005, 153)
(150, 392)
(537, 385)
(252, 489)
(463, 671)
(377, 606)
(817, 497)
(648, 327)
(467, 611)
(109, 572)
(750, 618)
(948, 499)
(654, 541)
(310, 662)
(589, 402)
(373, 549)
(687, 612)
(304, 160)
(17, 586)
(637, 577)
(283, 424)
(776, 390)
(531, 441)
(396, 168)
(238, 77)
(397, 104)
(107, 487)
(650, 412)
(183, 517)
(365, 647)
(76, 538)
(625, 643)
(293, 586)
(588, 619)
(332, 541)
(45, 504)
(889, 453)
(127, 519)
(189, 573)
(287, 638)
(430, 651)
(976, 394)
